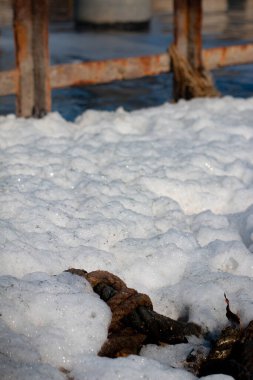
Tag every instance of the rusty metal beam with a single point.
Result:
(23, 40)
(77, 74)
(42, 92)
(180, 22)
(8, 82)
(88, 73)
(195, 33)
(187, 43)
(30, 21)
(223, 56)
(187, 30)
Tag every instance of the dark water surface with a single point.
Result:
(234, 26)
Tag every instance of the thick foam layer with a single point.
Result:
(162, 197)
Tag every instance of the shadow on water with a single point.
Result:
(233, 26)
(131, 95)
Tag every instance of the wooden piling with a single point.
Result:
(32, 57)
(190, 80)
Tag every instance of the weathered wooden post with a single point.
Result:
(190, 79)
(32, 57)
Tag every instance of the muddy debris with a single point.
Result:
(134, 323)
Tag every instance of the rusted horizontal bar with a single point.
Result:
(214, 58)
(88, 73)
(77, 74)
(8, 82)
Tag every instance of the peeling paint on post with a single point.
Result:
(32, 57)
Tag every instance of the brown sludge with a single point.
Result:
(134, 322)
(232, 354)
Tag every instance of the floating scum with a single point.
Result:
(161, 197)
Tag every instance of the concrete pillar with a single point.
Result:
(111, 12)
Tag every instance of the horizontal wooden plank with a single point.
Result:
(87, 73)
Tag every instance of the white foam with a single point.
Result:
(162, 197)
